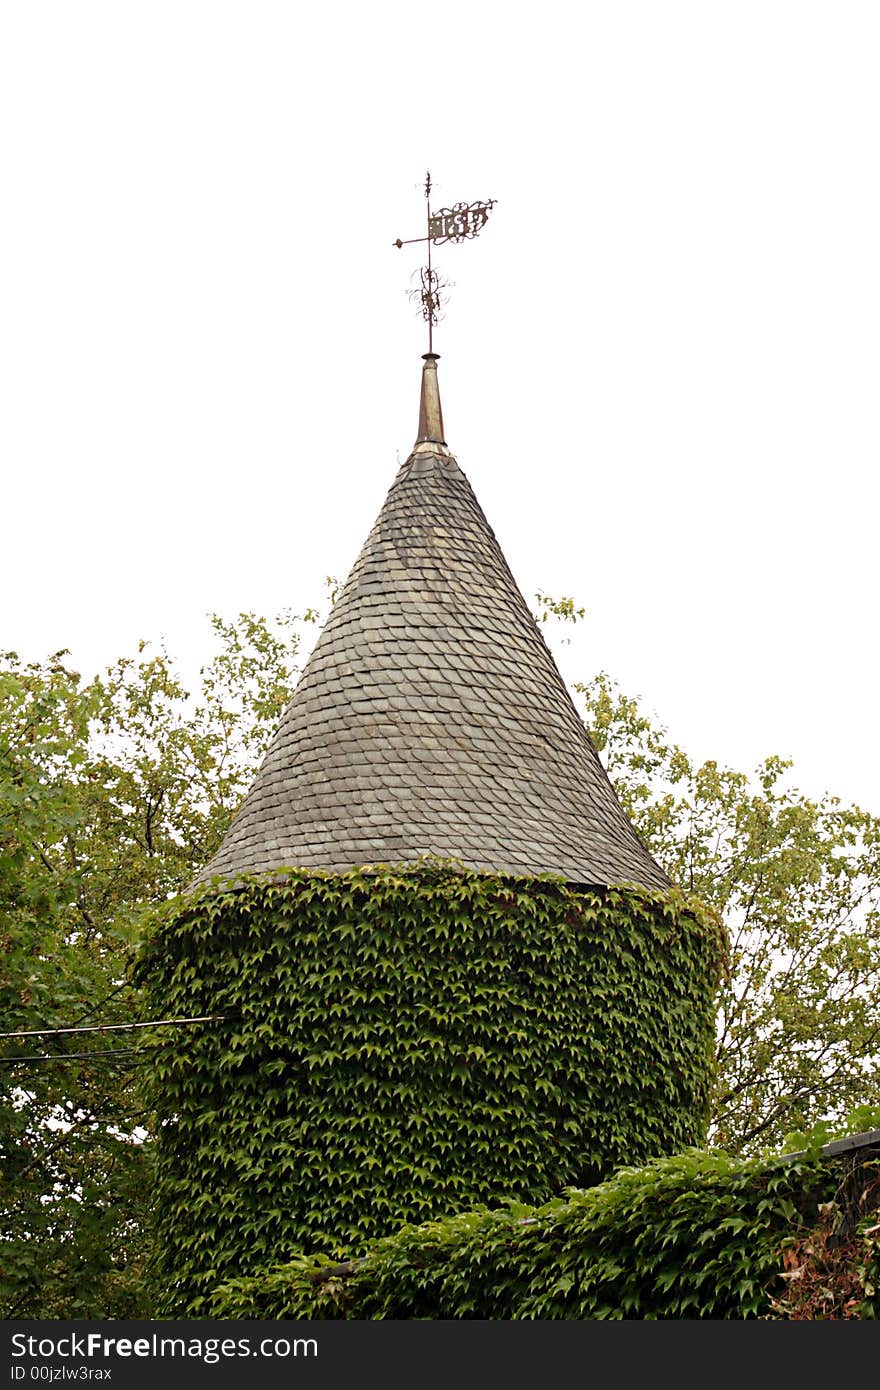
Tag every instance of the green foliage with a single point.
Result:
(115, 792)
(406, 1043)
(72, 1179)
(562, 608)
(694, 1236)
(112, 795)
(798, 883)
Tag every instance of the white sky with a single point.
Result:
(659, 368)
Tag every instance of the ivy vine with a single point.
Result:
(400, 1044)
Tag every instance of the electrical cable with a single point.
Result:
(118, 1027)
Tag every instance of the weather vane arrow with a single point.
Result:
(462, 222)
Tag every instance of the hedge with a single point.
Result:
(699, 1235)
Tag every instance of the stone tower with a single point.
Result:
(451, 971)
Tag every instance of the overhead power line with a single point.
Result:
(117, 1027)
(75, 1056)
(103, 1028)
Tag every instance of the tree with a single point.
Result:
(798, 884)
(58, 1136)
(112, 796)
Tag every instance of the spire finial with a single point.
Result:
(430, 411)
(462, 222)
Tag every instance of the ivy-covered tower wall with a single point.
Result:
(406, 1044)
(495, 1016)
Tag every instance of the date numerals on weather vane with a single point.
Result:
(459, 223)
(456, 224)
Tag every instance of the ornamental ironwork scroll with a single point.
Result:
(462, 222)
(429, 289)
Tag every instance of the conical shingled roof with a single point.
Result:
(431, 718)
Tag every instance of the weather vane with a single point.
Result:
(462, 222)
